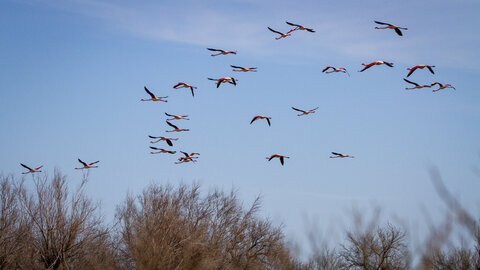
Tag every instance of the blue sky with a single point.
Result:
(72, 74)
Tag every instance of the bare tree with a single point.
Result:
(325, 259)
(66, 229)
(14, 229)
(455, 259)
(177, 228)
(373, 247)
(435, 254)
(322, 256)
(47, 226)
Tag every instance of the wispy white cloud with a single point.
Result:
(242, 25)
(173, 22)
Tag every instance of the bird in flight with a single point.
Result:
(338, 155)
(154, 98)
(282, 35)
(161, 150)
(376, 63)
(417, 86)
(30, 170)
(161, 138)
(87, 166)
(441, 86)
(420, 67)
(177, 117)
(391, 26)
(220, 52)
(229, 80)
(281, 157)
(304, 112)
(299, 27)
(344, 70)
(184, 85)
(242, 69)
(175, 128)
(184, 160)
(261, 117)
(191, 155)
(187, 158)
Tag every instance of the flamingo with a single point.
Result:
(30, 170)
(87, 166)
(299, 27)
(191, 155)
(242, 69)
(161, 150)
(224, 80)
(221, 52)
(420, 67)
(187, 158)
(338, 155)
(442, 86)
(391, 26)
(304, 112)
(261, 117)
(376, 63)
(177, 117)
(184, 85)
(344, 70)
(154, 98)
(161, 138)
(176, 129)
(281, 157)
(184, 160)
(417, 86)
(282, 35)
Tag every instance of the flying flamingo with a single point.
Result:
(299, 27)
(187, 158)
(176, 129)
(391, 26)
(344, 70)
(154, 98)
(184, 160)
(224, 80)
(420, 67)
(442, 86)
(221, 52)
(261, 117)
(304, 112)
(184, 85)
(417, 86)
(338, 155)
(277, 156)
(177, 117)
(87, 166)
(282, 35)
(242, 69)
(161, 150)
(30, 170)
(376, 63)
(191, 155)
(161, 138)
